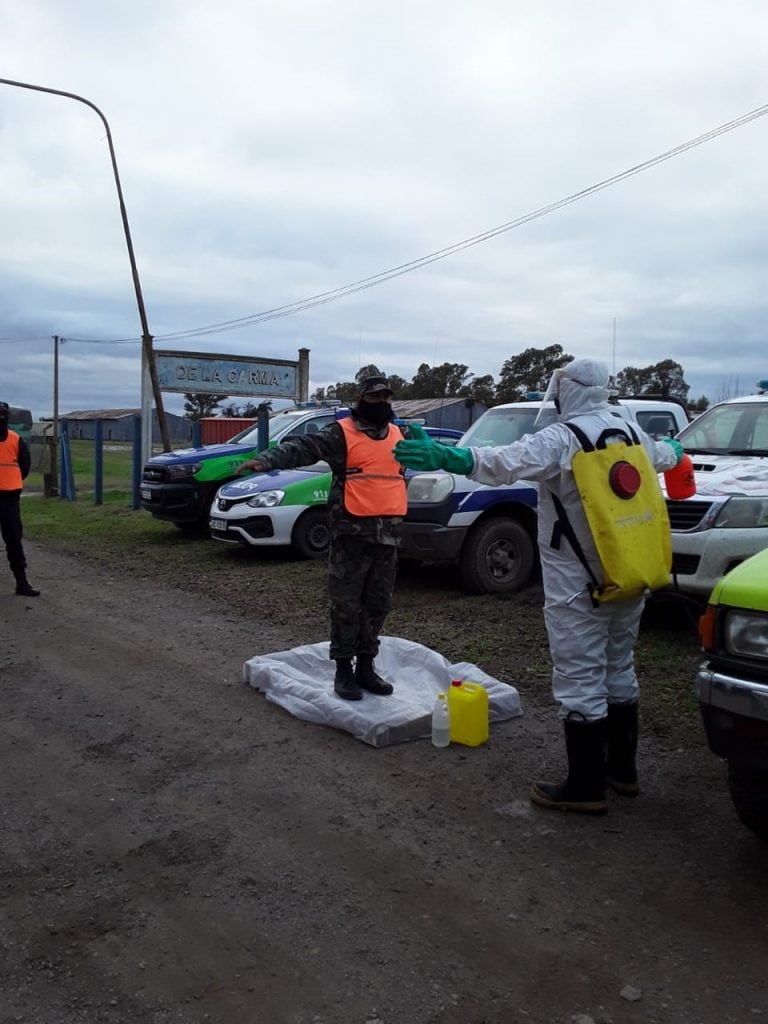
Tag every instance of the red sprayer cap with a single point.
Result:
(624, 480)
(455, 682)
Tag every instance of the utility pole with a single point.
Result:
(54, 480)
(51, 444)
(149, 367)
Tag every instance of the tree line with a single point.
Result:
(521, 374)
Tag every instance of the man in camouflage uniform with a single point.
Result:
(362, 560)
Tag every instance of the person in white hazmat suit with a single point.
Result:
(592, 646)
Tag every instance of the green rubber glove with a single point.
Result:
(676, 446)
(423, 453)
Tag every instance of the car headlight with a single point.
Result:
(266, 499)
(185, 470)
(429, 488)
(742, 513)
(746, 634)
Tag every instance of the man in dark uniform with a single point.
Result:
(366, 504)
(14, 468)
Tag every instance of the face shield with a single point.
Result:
(552, 394)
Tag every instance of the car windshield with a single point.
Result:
(737, 428)
(277, 423)
(503, 426)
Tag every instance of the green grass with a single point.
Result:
(114, 523)
(116, 468)
(143, 545)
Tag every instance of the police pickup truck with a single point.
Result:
(178, 487)
(490, 532)
(726, 521)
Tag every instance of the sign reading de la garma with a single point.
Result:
(199, 373)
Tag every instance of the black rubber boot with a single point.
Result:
(584, 789)
(368, 679)
(622, 729)
(24, 588)
(344, 682)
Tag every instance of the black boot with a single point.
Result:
(367, 679)
(584, 789)
(24, 588)
(344, 682)
(620, 770)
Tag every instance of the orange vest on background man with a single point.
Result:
(374, 484)
(10, 474)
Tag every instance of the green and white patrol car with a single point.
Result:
(284, 506)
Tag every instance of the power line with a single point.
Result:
(334, 294)
(24, 340)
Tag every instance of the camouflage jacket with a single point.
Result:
(329, 445)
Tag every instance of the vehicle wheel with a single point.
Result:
(497, 557)
(749, 793)
(312, 534)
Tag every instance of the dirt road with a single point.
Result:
(176, 849)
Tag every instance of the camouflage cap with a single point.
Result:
(374, 384)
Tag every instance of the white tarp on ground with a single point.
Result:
(301, 681)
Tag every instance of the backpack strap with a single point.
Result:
(626, 433)
(581, 437)
(563, 527)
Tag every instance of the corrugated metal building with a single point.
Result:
(219, 429)
(118, 425)
(453, 413)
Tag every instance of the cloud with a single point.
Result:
(269, 152)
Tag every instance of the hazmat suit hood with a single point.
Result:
(578, 388)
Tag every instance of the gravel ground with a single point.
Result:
(177, 849)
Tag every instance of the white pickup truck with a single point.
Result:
(490, 532)
(726, 521)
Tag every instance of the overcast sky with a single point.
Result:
(273, 151)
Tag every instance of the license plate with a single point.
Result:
(145, 493)
(218, 524)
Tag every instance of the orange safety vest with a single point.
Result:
(10, 474)
(374, 484)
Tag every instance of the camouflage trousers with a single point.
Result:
(361, 579)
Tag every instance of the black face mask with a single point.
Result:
(3, 428)
(377, 413)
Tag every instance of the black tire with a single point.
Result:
(497, 557)
(749, 793)
(312, 534)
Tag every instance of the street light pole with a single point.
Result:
(149, 367)
(55, 450)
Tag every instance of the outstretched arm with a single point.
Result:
(325, 446)
(423, 453)
(667, 453)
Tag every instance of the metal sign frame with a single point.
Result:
(202, 373)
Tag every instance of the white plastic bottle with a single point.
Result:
(441, 722)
